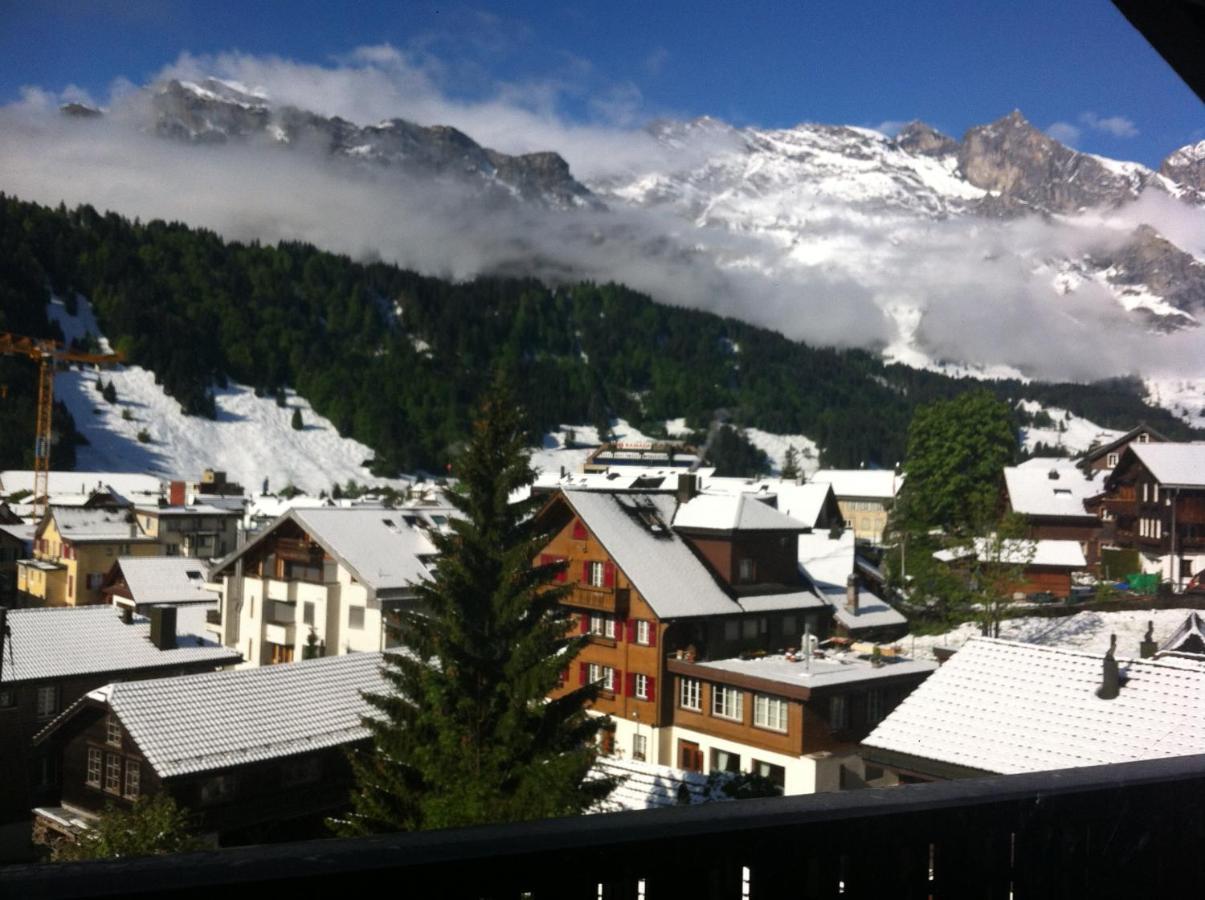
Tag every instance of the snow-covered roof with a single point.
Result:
(881, 484)
(1022, 551)
(1000, 706)
(23, 532)
(165, 579)
(873, 611)
(644, 785)
(1187, 640)
(82, 640)
(193, 509)
(833, 669)
(732, 512)
(1051, 490)
(827, 561)
(1174, 465)
(128, 484)
(635, 530)
(198, 723)
(97, 524)
(763, 603)
(804, 502)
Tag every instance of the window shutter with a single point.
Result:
(586, 572)
(564, 572)
(631, 630)
(652, 634)
(545, 558)
(585, 626)
(583, 673)
(651, 687)
(579, 530)
(608, 574)
(619, 628)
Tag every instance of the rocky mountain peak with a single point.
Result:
(925, 140)
(1187, 167)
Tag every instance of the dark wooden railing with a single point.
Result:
(1133, 830)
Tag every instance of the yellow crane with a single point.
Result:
(48, 354)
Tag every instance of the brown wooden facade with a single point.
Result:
(1152, 517)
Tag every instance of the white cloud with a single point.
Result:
(1064, 133)
(1117, 126)
(890, 127)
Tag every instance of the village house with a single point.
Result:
(256, 755)
(1000, 707)
(51, 658)
(335, 574)
(693, 577)
(74, 548)
(1106, 457)
(1046, 567)
(140, 582)
(865, 497)
(16, 543)
(200, 530)
(1051, 494)
(1154, 504)
(851, 587)
(70, 488)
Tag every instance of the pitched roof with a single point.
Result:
(77, 524)
(1174, 465)
(1000, 706)
(1022, 551)
(81, 640)
(127, 484)
(804, 502)
(882, 484)
(1187, 640)
(1122, 439)
(634, 529)
(732, 512)
(198, 723)
(1051, 490)
(165, 579)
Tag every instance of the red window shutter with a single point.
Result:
(564, 572)
(630, 686)
(608, 574)
(583, 673)
(631, 630)
(618, 630)
(585, 623)
(586, 572)
(545, 559)
(579, 530)
(651, 687)
(652, 634)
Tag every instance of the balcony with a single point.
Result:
(1108, 831)
(608, 600)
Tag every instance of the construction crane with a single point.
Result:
(48, 354)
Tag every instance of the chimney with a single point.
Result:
(1148, 647)
(127, 614)
(688, 487)
(175, 495)
(1110, 682)
(163, 627)
(851, 593)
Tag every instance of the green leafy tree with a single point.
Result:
(466, 734)
(153, 826)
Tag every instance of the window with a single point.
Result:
(642, 687)
(749, 629)
(112, 731)
(874, 707)
(112, 773)
(307, 613)
(217, 789)
(133, 779)
(602, 675)
(94, 764)
(1111, 462)
(173, 549)
(790, 626)
(94, 581)
(306, 770)
(723, 761)
(770, 712)
(644, 632)
(838, 713)
(746, 571)
(726, 703)
(1144, 492)
(776, 775)
(640, 747)
(690, 694)
(47, 701)
(355, 617)
(595, 574)
(1155, 492)
(602, 626)
(1144, 438)
(8, 698)
(732, 630)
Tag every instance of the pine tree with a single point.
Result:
(110, 393)
(790, 463)
(466, 734)
(298, 425)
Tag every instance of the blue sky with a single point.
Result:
(1074, 66)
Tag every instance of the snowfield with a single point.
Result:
(1078, 435)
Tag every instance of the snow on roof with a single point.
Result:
(834, 668)
(1174, 465)
(733, 512)
(761, 603)
(96, 524)
(83, 640)
(23, 532)
(197, 723)
(827, 561)
(644, 785)
(380, 548)
(1032, 491)
(873, 611)
(192, 509)
(804, 502)
(1005, 707)
(634, 529)
(1187, 640)
(13, 481)
(882, 484)
(1019, 551)
(165, 579)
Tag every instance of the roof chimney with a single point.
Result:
(163, 627)
(1110, 682)
(127, 614)
(1148, 647)
(851, 593)
(688, 487)
(175, 495)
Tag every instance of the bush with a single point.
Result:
(144, 436)
(110, 393)
(127, 416)
(298, 425)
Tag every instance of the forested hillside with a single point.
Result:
(396, 359)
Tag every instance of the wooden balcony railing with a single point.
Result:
(1129, 830)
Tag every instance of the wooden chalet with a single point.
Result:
(1106, 457)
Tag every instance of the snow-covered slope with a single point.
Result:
(1069, 431)
(1183, 397)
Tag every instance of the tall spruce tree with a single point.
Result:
(466, 735)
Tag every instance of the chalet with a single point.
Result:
(16, 543)
(255, 754)
(865, 497)
(51, 658)
(1046, 566)
(74, 549)
(1052, 497)
(336, 574)
(999, 707)
(199, 530)
(1155, 502)
(140, 582)
(1106, 457)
